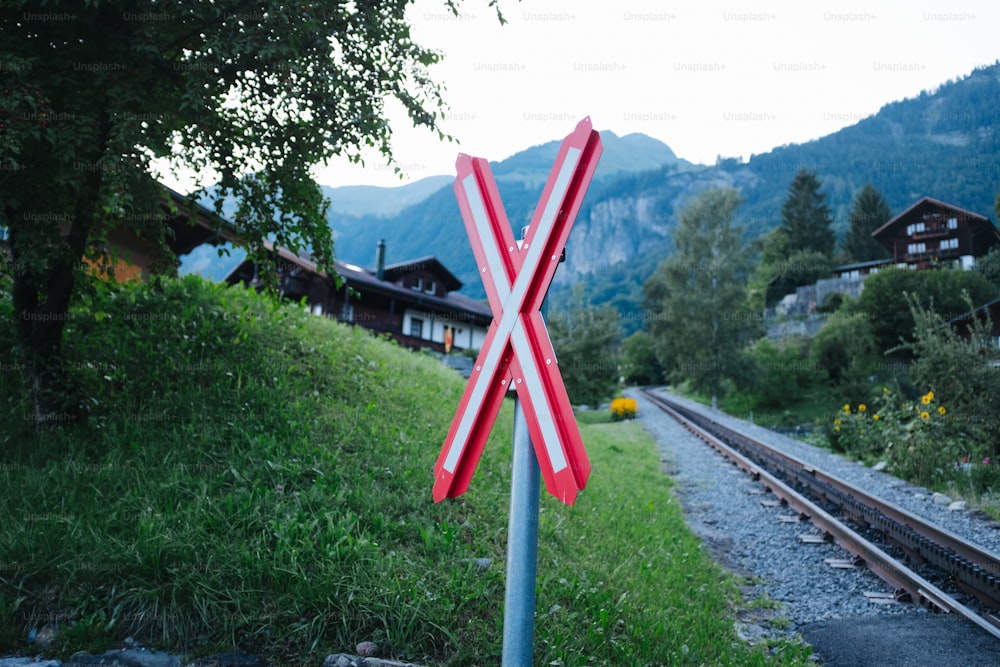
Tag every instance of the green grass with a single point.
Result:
(809, 409)
(253, 477)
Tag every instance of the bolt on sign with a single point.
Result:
(517, 352)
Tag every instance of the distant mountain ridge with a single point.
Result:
(944, 144)
(434, 225)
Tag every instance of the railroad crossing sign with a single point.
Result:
(517, 351)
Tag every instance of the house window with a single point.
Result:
(916, 247)
(952, 223)
(416, 327)
(431, 287)
(418, 285)
(949, 243)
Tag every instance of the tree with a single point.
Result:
(248, 96)
(869, 211)
(783, 371)
(800, 250)
(845, 348)
(700, 317)
(805, 217)
(883, 302)
(988, 266)
(639, 363)
(585, 340)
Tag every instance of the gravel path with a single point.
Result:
(749, 539)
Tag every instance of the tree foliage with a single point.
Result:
(700, 318)
(844, 348)
(783, 371)
(639, 363)
(800, 250)
(884, 299)
(249, 96)
(805, 217)
(585, 339)
(961, 370)
(869, 211)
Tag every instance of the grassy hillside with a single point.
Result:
(258, 478)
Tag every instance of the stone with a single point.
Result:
(28, 662)
(941, 499)
(125, 658)
(957, 506)
(228, 659)
(366, 649)
(345, 660)
(880, 466)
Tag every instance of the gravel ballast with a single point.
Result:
(789, 586)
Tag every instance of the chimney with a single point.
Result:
(380, 260)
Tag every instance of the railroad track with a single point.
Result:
(818, 496)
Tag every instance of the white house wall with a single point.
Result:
(466, 336)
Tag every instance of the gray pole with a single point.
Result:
(522, 542)
(522, 549)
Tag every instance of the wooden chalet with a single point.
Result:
(415, 302)
(931, 233)
(861, 269)
(187, 225)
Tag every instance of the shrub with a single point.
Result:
(623, 408)
(917, 438)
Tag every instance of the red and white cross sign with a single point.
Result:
(517, 351)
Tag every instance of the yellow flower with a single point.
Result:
(885, 390)
(927, 398)
(941, 410)
(837, 429)
(925, 415)
(836, 422)
(847, 408)
(862, 407)
(875, 416)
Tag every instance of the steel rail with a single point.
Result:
(878, 561)
(973, 568)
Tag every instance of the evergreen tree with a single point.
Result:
(586, 339)
(805, 217)
(869, 211)
(700, 317)
(800, 250)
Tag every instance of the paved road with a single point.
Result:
(926, 640)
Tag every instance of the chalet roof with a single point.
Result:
(863, 265)
(990, 306)
(889, 230)
(364, 280)
(207, 227)
(359, 278)
(426, 263)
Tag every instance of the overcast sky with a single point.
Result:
(708, 78)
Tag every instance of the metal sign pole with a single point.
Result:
(522, 538)
(522, 548)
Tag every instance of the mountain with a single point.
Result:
(359, 200)
(434, 225)
(943, 143)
